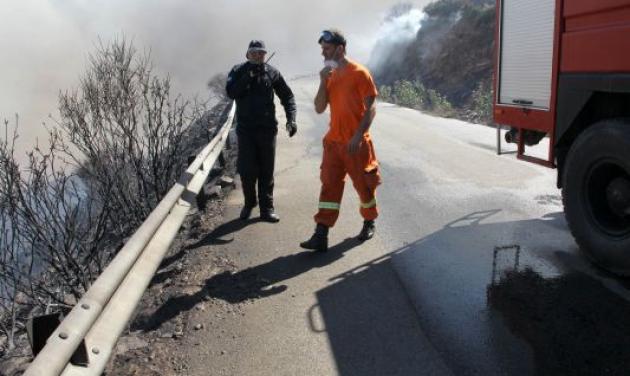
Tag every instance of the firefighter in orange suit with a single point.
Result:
(348, 150)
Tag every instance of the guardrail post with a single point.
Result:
(40, 328)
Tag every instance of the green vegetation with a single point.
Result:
(415, 95)
(480, 109)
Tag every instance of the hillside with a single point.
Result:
(450, 57)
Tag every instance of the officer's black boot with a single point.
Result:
(246, 212)
(269, 215)
(319, 240)
(367, 232)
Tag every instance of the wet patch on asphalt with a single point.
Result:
(574, 324)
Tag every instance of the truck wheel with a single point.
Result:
(596, 194)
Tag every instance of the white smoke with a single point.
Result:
(395, 34)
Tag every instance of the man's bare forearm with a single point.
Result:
(368, 116)
(364, 125)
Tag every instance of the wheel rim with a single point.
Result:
(607, 197)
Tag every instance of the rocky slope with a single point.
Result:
(451, 53)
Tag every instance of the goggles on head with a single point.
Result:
(330, 37)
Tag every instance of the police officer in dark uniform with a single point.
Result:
(252, 85)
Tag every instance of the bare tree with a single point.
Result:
(54, 239)
(9, 307)
(129, 131)
(120, 143)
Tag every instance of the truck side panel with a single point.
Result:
(520, 115)
(596, 36)
(590, 78)
(527, 33)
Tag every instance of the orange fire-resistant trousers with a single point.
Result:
(362, 167)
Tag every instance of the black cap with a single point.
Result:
(332, 36)
(256, 45)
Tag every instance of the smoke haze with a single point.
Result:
(396, 34)
(45, 44)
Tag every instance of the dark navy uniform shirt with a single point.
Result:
(254, 96)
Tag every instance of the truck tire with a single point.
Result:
(596, 194)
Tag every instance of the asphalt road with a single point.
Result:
(472, 272)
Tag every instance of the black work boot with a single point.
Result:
(367, 232)
(246, 212)
(319, 240)
(269, 215)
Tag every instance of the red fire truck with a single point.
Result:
(562, 69)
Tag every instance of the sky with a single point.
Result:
(45, 44)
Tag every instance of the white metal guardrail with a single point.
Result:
(104, 311)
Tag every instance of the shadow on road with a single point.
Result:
(252, 283)
(545, 318)
(371, 326)
(216, 237)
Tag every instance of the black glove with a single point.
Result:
(291, 128)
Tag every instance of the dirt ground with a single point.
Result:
(147, 348)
